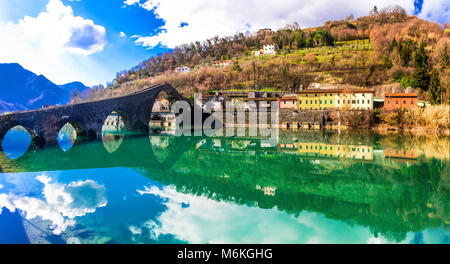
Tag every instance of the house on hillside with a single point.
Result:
(264, 33)
(223, 63)
(183, 68)
(266, 50)
(269, 49)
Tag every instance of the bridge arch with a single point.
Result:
(87, 117)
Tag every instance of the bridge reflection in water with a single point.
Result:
(355, 178)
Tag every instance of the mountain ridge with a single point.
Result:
(21, 89)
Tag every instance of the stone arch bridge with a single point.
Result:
(87, 118)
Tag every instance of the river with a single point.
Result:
(297, 187)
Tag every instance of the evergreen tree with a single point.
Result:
(405, 51)
(444, 60)
(435, 89)
(386, 62)
(299, 43)
(420, 63)
(393, 45)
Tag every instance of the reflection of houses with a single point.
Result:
(158, 141)
(269, 191)
(183, 69)
(335, 99)
(400, 154)
(400, 100)
(314, 149)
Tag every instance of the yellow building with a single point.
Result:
(316, 99)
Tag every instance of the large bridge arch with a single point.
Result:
(46, 123)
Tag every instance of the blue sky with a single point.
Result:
(92, 40)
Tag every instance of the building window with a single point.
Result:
(300, 102)
(315, 94)
(389, 102)
(412, 102)
(325, 101)
(311, 102)
(339, 101)
(306, 102)
(368, 101)
(396, 101)
(315, 101)
(320, 101)
(404, 101)
(331, 101)
(353, 101)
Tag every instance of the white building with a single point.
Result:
(183, 69)
(161, 105)
(362, 100)
(222, 63)
(266, 50)
(269, 49)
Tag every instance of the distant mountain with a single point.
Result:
(21, 89)
(69, 87)
(8, 107)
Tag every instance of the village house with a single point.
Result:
(266, 50)
(183, 69)
(287, 102)
(269, 49)
(261, 102)
(317, 99)
(264, 33)
(400, 100)
(223, 63)
(161, 105)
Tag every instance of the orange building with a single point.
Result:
(400, 100)
(287, 102)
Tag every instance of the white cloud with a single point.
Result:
(55, 43)
(206, 18)
(131, 2)
(62, 203)
(198, 219)
(435, 10)
(122, 35)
